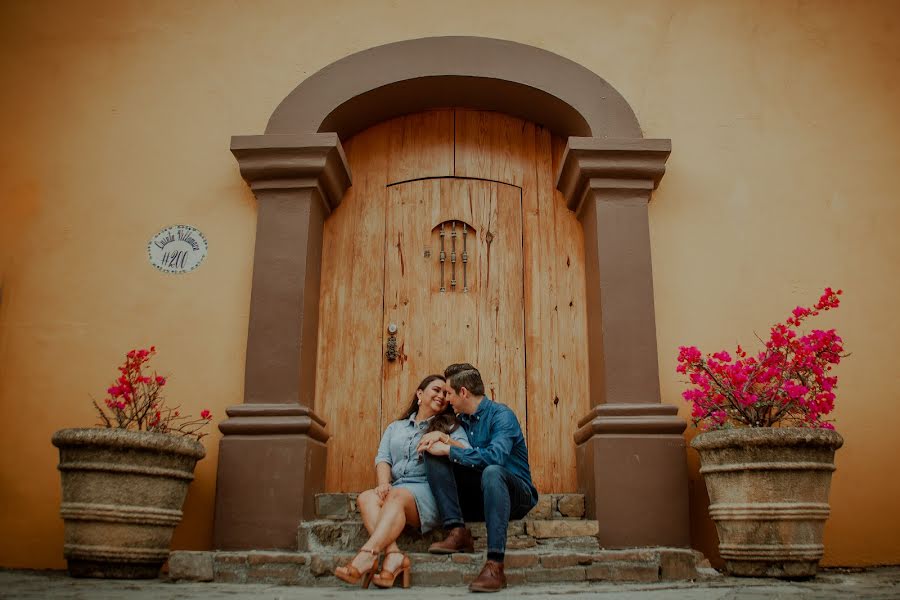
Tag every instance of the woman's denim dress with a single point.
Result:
(398, 449)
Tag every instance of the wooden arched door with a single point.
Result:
(515, 307)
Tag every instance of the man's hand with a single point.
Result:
(439, 449)
(430, 438)
(383, 490)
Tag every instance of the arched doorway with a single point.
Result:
(630, 451)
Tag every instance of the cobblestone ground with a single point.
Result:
(877, 583)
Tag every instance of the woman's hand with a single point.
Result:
(382, 491)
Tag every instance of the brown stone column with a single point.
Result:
(630, 447)
(272, 455)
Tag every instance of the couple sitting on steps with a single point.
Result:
(441, 465)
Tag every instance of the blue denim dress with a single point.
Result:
(398, 449)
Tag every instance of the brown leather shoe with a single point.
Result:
(458, 540)
(491, 578)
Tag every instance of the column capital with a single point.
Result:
(620, 168)
(630, 419)
(273, 419)
(285, 162)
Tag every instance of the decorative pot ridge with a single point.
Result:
(768, 490)
(767, 436)
(132, 440)
(122, 497)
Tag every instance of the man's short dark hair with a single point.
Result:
(464, 375)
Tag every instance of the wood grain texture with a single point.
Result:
(420, 145)
(350, 339)
(503, 148)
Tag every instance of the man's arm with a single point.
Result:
(504, 431)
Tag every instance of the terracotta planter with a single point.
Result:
(768, 492)
(122, 493)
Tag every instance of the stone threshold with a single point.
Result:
(308, 569)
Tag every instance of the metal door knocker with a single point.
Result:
(391, 353)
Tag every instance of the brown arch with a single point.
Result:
(387, 81)
(299, 174)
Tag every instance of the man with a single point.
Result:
(490, 481)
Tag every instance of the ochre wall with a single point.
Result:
(116, 118)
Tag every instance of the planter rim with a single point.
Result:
(767, 436)
(125, 438)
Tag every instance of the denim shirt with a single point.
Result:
(398, 448)
(496, 439)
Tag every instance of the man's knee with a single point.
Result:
(492, 474)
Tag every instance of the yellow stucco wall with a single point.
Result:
(116, 119)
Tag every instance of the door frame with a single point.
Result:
(630, 447)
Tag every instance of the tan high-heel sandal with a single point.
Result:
(386, 578)
(352, 575)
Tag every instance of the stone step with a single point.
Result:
(340, 507)
(522, 566)
(345, 536)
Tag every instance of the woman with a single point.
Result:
(402, 496)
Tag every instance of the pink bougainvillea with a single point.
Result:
(788, 383)
(134, 401)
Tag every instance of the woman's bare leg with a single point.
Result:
(397, 510)
(370, 508)
(369, 505)
(373, 512)
(400, 510)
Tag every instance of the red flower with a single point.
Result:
(134, 401)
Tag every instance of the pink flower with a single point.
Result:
(160, 380)
(786, 381)
(205, 414)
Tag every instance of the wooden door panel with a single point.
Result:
(350, 341)
(420, 145)
(483, 326)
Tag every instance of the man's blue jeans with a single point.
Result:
(465, 494)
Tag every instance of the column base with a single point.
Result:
(633, 473)
(271, 465)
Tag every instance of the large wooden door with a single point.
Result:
(468, 307)
(523, 321)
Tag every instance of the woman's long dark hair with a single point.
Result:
(444, 422)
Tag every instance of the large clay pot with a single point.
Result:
(122, 493)
(768, 492)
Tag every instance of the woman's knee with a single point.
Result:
(367, 499)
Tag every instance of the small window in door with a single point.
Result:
(452, 254)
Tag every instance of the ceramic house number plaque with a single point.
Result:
(177, 249)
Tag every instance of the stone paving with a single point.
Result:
(876, 583)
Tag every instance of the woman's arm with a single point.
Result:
(383, 477)
(383, 474)
(383, 464)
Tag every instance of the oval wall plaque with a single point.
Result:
(177, 249)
